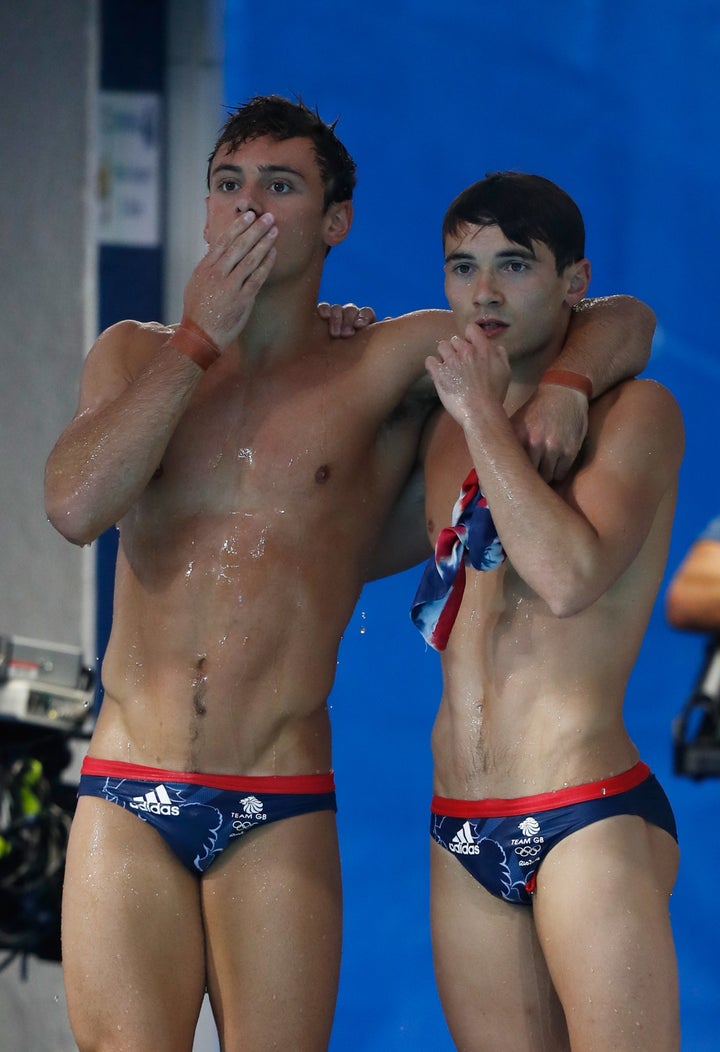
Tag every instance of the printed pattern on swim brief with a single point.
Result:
(503, 852)
(470, 537)
(198, 820)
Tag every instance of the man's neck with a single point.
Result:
(283, 321)
(527, 370)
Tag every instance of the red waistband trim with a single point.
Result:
(266, 783)
(520, 805)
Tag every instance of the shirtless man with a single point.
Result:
(238, 452)
(542, 939)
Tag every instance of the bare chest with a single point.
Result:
(240, 444)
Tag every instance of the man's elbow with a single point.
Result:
(64, 516)
(645, 321)
(647, 317)
(568, 594)
(564, 605)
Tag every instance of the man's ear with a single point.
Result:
(338, 220)
(578, 275)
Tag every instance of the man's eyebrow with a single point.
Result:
(505, 253)
(458, 255)
(266, 169)
(518, 250)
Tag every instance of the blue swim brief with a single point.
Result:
(502, 842)
(198, 815)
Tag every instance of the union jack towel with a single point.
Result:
(472, 536)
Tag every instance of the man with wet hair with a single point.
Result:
(271, 115)
(229, 449)
(554, 849)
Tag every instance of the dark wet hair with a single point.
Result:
(526, 208)
(280, 119)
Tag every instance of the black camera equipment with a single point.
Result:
(696, 730)
(46, 701)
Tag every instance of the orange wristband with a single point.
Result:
(193, 342)
(566, 378)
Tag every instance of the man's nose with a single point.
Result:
(249, 200)
(486, 290)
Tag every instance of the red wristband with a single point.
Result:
(566, 378)
(193, 342)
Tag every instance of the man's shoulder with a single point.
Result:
(424, 326)
(398, 347)
(645, 412)
(639, 392)
(130, 342)
(135, 333)
(130, 334)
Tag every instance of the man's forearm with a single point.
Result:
(608, 340)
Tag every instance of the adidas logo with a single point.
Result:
(462, 843)
(157, 801)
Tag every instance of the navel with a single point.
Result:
(323, 473)
(200, 686)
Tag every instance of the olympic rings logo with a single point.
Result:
(527, 851)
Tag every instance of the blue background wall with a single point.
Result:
(618, 103)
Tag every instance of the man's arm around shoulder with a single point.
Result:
(608, 340)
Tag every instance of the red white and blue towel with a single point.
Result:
(471, 537)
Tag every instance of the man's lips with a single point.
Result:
(491, 326)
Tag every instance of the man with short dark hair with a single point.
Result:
(553, 851)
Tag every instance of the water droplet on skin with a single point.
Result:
(259, 548)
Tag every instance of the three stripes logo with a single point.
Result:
(157, 801)
(463, 843)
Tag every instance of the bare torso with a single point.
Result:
(533, 702)
(239, 566)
